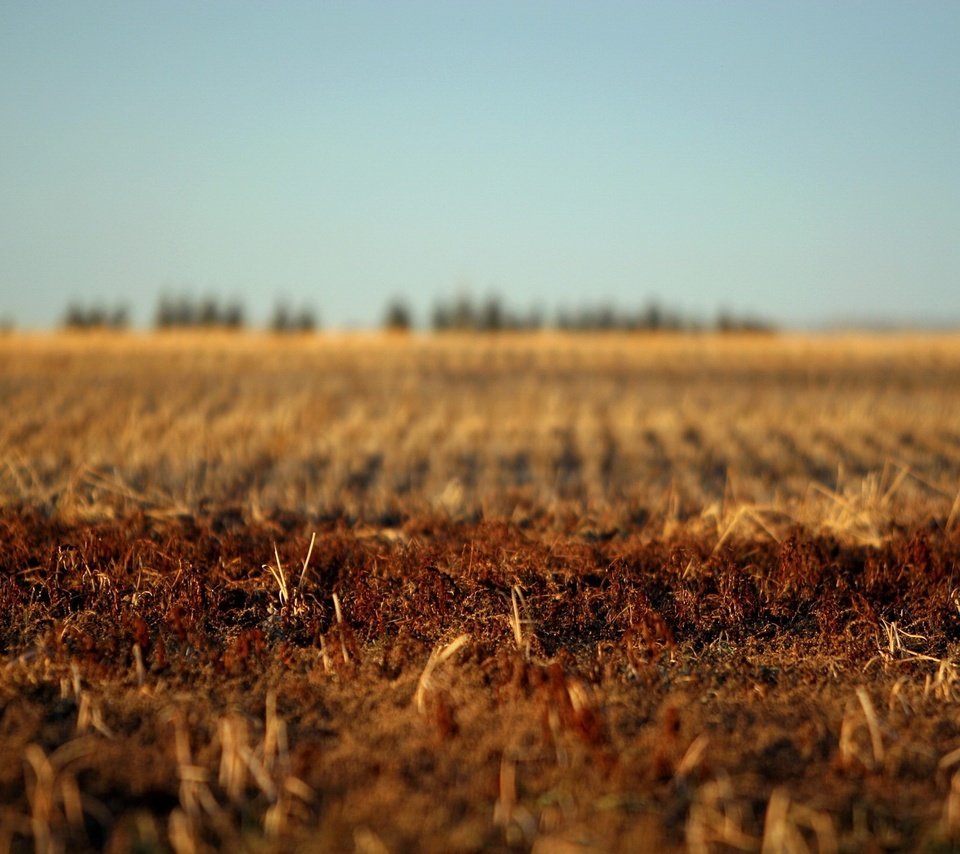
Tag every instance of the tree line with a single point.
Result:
(461, 314)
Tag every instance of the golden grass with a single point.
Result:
(745, 436)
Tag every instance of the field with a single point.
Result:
(522, 592)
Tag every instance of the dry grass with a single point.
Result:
(545, 593)
(461, 686)
(747, 436)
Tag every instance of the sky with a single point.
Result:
(795, 160)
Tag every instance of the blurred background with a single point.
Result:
(479, 165)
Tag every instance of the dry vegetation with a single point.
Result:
(515, 592)
(620, 429)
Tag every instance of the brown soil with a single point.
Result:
(458, 686)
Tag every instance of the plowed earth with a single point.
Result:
(445, 686)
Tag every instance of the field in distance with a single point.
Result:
(623, 431)
(518, 592)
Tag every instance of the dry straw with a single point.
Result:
(173, 423)
(441, 654)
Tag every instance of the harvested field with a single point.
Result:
(518, 593)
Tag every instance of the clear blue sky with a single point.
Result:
(800, 160)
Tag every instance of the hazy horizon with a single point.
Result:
(794, 161)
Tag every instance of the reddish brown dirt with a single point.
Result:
(486, 686)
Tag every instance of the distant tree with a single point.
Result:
(78, 316)
(493, 317)
(441, 319)
(182, 312)
(533, 320)
(652, 317)
(286, 321)
(729, 323)
(605, 318)
(675, 321)
(186, 313)
(462, 314)
(163, 317)
(398, 317)
(280, 321)
(306, 320)
(232, 316)
(174, 312)
(208, 313)
(119, 317)
(75, 317)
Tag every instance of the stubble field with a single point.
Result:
(550, 593)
